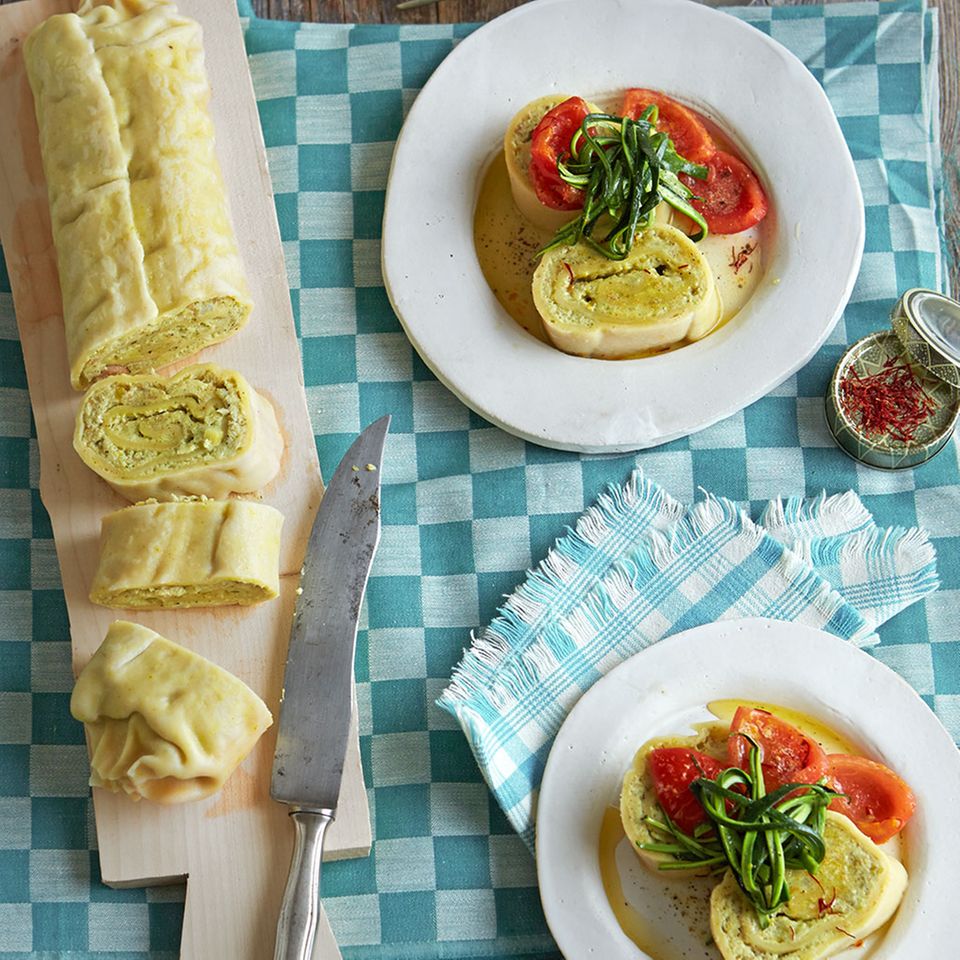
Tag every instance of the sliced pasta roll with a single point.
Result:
(148, 261)
(203, 432)
(163, 723)
(860, 883)
(516, 151)
(661, 293)
(189, 553)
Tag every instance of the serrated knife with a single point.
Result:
(315, 705)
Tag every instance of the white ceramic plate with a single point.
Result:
(753, 86)
(664, 688)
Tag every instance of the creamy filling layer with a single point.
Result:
(168, 338)
(215, 594)
(142, 428)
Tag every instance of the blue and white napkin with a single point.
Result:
(640, 566)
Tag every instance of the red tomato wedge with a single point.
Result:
(690, 137)
(555, 193)
(731, 198)
(876, 800)
(672, 770)
(787, 754)
(550, 142)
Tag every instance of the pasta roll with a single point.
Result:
(148, 262)
(661, 293)
(190, 553)
(516, 151)
(203, 432)
(163, 723)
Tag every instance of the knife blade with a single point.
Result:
(315, 705)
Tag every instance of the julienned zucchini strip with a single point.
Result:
(626, 169)
(757, 835)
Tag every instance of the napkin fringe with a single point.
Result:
(627, 582)
(880, 572)
(908, 547)
(501, 662)
(823, 516)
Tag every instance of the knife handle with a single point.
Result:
(300, 910)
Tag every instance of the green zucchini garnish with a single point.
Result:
(625, 168)
(758, 835)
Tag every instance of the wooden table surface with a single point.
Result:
(452, 11)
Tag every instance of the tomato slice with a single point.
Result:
(672, 770)
(876, 800)
(731, 198)
(555, 193)
(690, 137)
(549, 143)
(787, 754)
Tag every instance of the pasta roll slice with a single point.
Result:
(861, 884)
(148, 261)
(516, 152)
(189, 553)
(163, 723)
(661, 293)
(204, 432)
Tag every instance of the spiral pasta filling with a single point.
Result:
(202, 432)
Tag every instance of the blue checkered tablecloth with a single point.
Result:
(466, 508)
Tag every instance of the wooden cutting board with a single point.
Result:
(234, 848)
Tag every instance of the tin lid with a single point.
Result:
(928, 325)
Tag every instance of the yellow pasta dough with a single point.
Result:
(862, 884)
(148, 262)
(163, 723)
(203, 432)
(662, 292)
(189, 553)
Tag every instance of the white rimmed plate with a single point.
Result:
(759, 92)
(664, 688)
